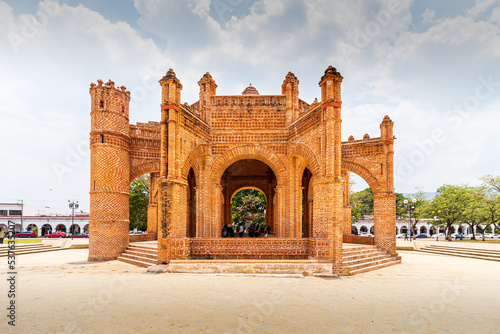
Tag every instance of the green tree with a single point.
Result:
(421, 208)
(492, 201)
(452, 200)
(492, 181)
(138, 203)
(249, 203)
(475, 213)
(400, 207)
(361, 203)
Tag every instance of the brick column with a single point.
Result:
(384, 208)
(153, 204)
(173, 209)
(279, 221)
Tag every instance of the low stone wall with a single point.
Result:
(306, 268)
(142, 237)
(250, 249)
(357, 239)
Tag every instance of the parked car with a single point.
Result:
(79, 235)
(421, 235)
(26, 234)
(478, 236)
(56, 235)
(441, 235)
(401, 235)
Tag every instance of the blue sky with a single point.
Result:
(432, 66)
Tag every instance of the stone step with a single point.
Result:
(360, 252)
(3, 246)
(369, 263)
(139, 258)
(470, 250)
(460, 254)
(374, 267)
(32, 251)
(354, 248)
(140, 253)
(26, 248)
(362, 256)
(366, 259)
(134, 262)
(143, 249)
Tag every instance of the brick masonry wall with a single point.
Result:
(282, 131)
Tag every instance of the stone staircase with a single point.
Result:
(475, 253)
(361, 259)
(139, 256)
(28, 249)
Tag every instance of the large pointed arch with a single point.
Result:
(308, 154)
(364, 173)
(248, 152)
(192, 160)
(144, 168)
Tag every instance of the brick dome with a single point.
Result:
(250, 90)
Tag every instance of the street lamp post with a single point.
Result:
(435, 222)
(73, 205)
(410, 208)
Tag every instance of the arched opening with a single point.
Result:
(307, 204)
(74, 229)
(363, 229)
(404, 230)
(372, 230)
(46, 228)
(432, 230)
(247, 174)
(61, 228)
(248, 208)
(191, 205)
(423, 230)
(31, 227)
(354, 230)
(360, 200)
(138, 203)
(86, 229)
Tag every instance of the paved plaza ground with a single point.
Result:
(59, 292)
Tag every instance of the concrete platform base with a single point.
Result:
(304, 267)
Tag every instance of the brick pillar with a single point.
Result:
(153, 204)
(328, 217)
(109, 171)
(279, 221)
(214, 225)
(384, 208)
(173, 208)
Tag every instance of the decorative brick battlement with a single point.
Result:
(200, 154)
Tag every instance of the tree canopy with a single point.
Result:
(138, 203)
(249, 203)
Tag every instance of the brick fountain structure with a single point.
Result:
(205, 152)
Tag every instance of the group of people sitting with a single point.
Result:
(254, 231)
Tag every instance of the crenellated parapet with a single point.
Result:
(200, 154)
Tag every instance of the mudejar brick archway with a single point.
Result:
(200, 153)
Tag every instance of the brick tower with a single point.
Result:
(110, 171)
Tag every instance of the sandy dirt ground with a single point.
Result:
(60, 292)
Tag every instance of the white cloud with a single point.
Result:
(413, 74)
(45, 101)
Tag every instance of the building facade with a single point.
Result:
(15, 212)
(199, 155)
